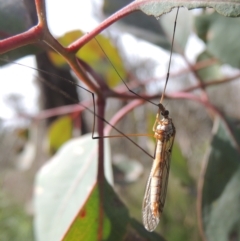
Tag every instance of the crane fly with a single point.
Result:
(164, 132)
(156, 189)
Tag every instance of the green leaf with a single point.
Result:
(116, 223)
(223, 223)
(212, 72)
(220, 189)
(179, 221)
(179, 167)
(159, 7)
(64, 184)
(86, 224)
(221, 35)
(59, 132)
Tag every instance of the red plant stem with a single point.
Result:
(212, 82)
(198, 78)
(121, 114)
(100, 170)
(54, 44)
(212, 108)
(75, 46)
(62, 110)
(41, 12)
(100, 113)
(29, 37)
(41, 34)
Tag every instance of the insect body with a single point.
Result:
(156, 188)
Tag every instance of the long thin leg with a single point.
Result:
(93, 99)
(85, 107)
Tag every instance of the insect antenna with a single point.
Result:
(170, 57)
(159, 105)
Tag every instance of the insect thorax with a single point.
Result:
(165, 129)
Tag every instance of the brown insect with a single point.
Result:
(156, 189)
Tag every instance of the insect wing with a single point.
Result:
(150, 220)
(166, 168)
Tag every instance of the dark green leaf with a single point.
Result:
(179, 167)
(221, 35)
(223, 221)
(86, 224)
(212, 72)
(220, 203)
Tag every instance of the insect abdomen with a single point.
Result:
(156, 205)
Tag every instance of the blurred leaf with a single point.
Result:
(92, 54)
(179, 167)
(86, 224)
(64, 184)
(223, 223)
(220, 190)
(158, 7)
(220, 34)
(213, 72)
(115, 224)
(130, 169)
(179, 213)
(14, 18)
(59, 132)
(69, 37)
(97, 59)
(22, 133)
(142, 233)
(183, 28)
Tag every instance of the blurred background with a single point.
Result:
(139, 48)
